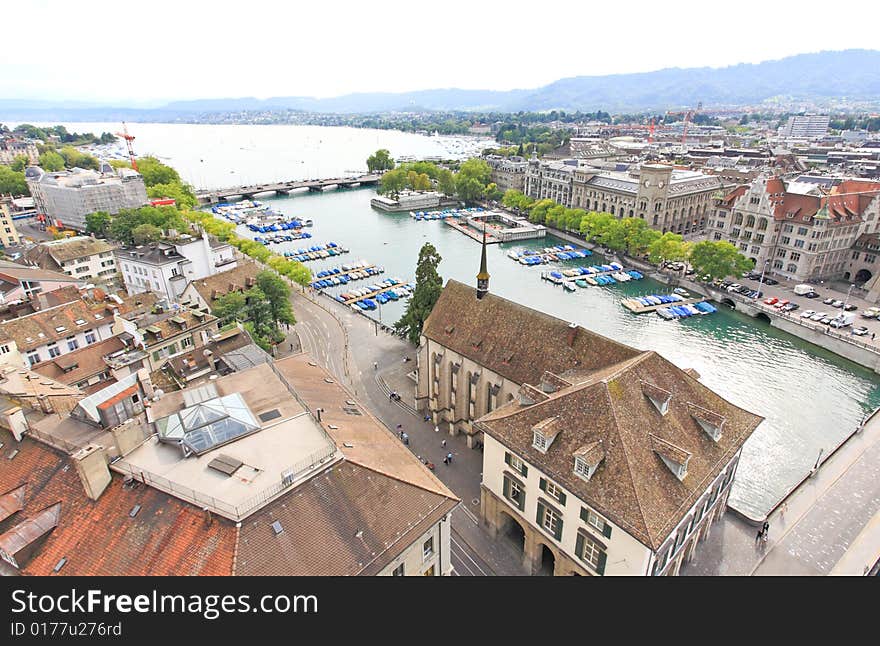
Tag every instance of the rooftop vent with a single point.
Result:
(225, 464)
(269, 415)
(277, 528)
(134, 511)
(59, 565)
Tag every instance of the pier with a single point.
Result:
(374, 293)
(637, 308)
(284, 188)
(327, 275)
(470, 233)
(326, 251)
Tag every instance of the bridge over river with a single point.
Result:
(284, 188)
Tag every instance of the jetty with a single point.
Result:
(373, 294)
(317, 252)
(472, 233)
(636, 307)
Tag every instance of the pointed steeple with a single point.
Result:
(483, 276)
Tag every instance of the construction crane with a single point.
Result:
(688, 116)
(128, 139)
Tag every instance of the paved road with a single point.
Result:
(349, 344)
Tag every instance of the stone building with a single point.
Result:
(798, 230)
(8, 233)
(82, 257)
(508, 173)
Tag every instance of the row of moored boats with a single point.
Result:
(345, 274)
(372, 296)
(531, 257)
(316, 252)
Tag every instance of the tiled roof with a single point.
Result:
(224, 282)
(13, 272)
(165, 536)
(518, 343)
(169, 328)
(77, 247)
(632, 486)
(347, 520)
(89, 361)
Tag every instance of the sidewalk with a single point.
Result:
(825, 526)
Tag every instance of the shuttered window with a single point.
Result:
(596, 521)
(516, 464)
(515, 492)
(553, 490)
(591, 552)
(550, 520)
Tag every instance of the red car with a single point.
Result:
(771, 301)
(781, 303)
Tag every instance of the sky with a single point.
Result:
(147, 53)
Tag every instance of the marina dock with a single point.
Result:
(470, 233)
(373, 294)
(638, 308)
(317, 252)
(342, 276)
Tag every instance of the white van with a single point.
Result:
(800, 290)
(842, 320)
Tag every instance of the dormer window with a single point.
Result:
(544, 432)
(712, 423)
(587, 459)
(658, 396)
(581, 468)
(60, 328)
(539, 441)
(673, 456)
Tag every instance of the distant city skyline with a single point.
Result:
(176, 51)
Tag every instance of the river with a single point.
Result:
(811, 398)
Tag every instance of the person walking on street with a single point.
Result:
(291, 347)
(446, 460)
(443, 443)
(449, 457)
(759, 536)
(375, 365)
(406, 439)
(436, 428)
(765, 529)
(873, 335)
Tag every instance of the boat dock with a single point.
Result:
(345, 274)
(317, 252)
(636, 307)
(470, 233)
(374, 293)
(617, 274)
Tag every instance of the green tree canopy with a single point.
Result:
(446, 182)
(180, 192)
(145, 233)
(668, 246)
(230, 307)
(73, 158)
(718, 259)
(429, 284)
(277, 293)
(20, 163)
(379, 161)
(393, 182)
(98, 223)
(12, 182)
(51, 161)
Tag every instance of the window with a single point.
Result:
(54, 351)
(595, 521)
(591, 552)
(549, 520)
(553, 490)
(398, 571)
(514, 491)
(428, 549)
(516, 464)
(72, 344)
(785, 240)
(869, 258)
(795, 256)
(802, 231)
(799, 243)
(187, 342)
(90, 337)
(4, 349)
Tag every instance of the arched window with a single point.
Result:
(762, 224)
(738, 219)
(750, 222)
(792, 268)
(777, 264)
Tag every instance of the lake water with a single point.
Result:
(810, 398)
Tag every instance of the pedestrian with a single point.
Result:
(446, 460)
(427, 417)
(291, 347)
(375, 365)
(406, 439)
(759, 536)
(443, 443)
(436, 428)
(873, 334)
(449, 457)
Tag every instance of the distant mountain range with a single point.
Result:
(853, 75)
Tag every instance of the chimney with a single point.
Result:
(91, 466)
(44, 403)
(146, 383)
(14, 420)
(572, 334)
(126, 437)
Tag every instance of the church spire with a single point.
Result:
(483, 276)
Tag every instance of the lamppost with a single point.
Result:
(761, 280)
(846, 302)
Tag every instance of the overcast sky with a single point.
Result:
(125, 52)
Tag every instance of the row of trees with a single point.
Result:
(717, 259)
(162, 181)
(46, 134)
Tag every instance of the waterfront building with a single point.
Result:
(801, 230)
(8, 233)
(166, 267)
(809, 126)
(409, 201)
(598, 458)
(256, 478)
(203, 292)
(66, 197)
(508, 173)
(83, 257)
(667, 199)
(12, 147)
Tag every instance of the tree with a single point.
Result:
(446, 182)
(429, 284)
(98, 223)
(669, 246)
(20, 163)
(393, 182)
(493, 192)
(155, 172)
(718, 259)
(469, 189)
(12, 182)
(178, 191)
(277, 293)
(380, 161)
(230, 307)
(51, 161)
(538, 212)
(421, 182)
(76, 159)
(145, 233)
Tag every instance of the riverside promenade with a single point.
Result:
(828, 525)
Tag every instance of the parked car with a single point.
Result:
(871, 313)
(837, 304)
(818, 316)
(807, 314)
(827, 320)
(755, 293)
(860, 331)
(782, 303)
(811, 295)
(790, 307)
(734, 287)
(828, 300)
(771, 301)
(770, 281)
(850, 307)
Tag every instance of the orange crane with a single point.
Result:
(688, 115)
(128, 139)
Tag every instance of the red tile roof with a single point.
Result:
(165, 537)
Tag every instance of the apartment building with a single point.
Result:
(167, 267)
(809, 126)
(508, 173)
(67, 197)
(8, 233)
(82, 257)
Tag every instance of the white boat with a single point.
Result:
(569, 287)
